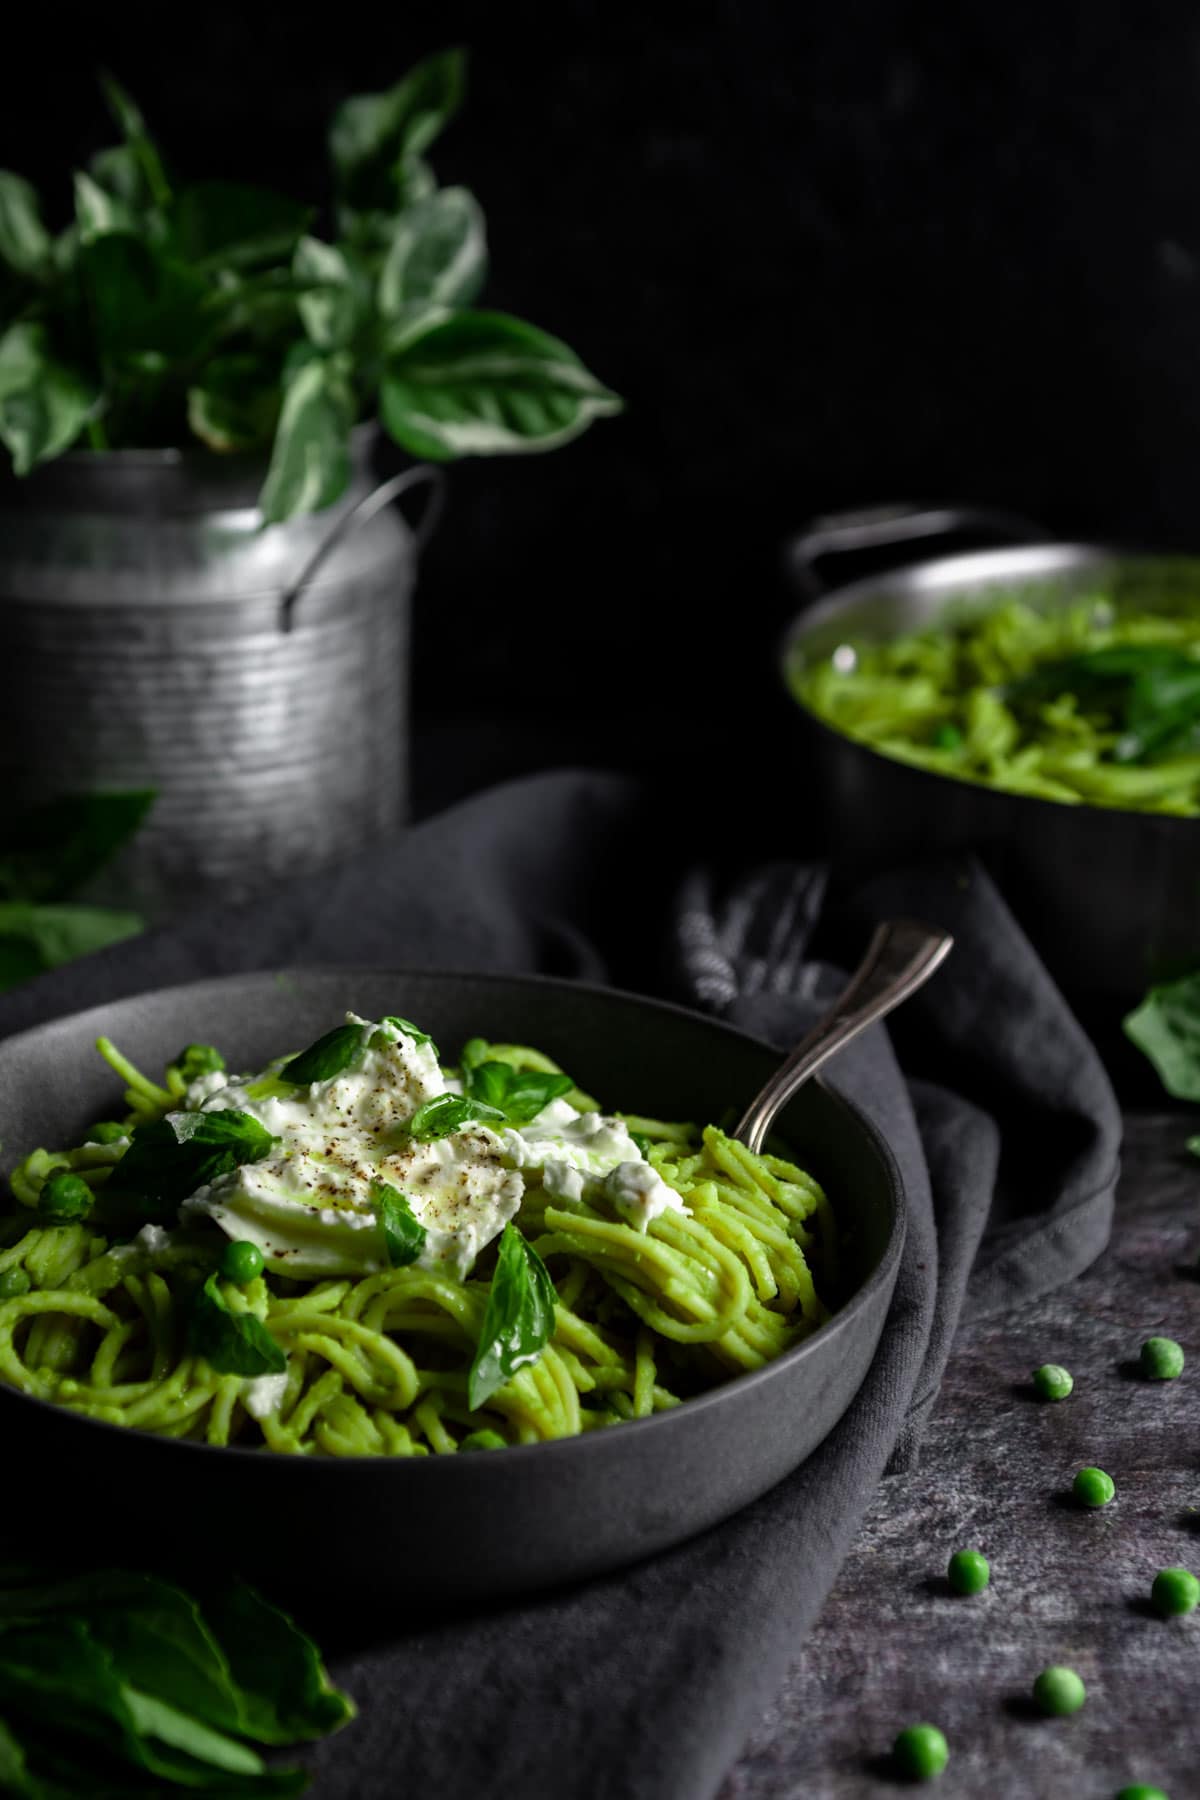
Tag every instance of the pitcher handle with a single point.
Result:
(362, 514)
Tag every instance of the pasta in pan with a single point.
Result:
(1091, 704)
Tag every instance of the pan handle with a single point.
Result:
(875, 527)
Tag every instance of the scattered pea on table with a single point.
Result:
(1052, 1381)
(1092, 1487)
(1175, 1591)
(921, 1752)
(968, 1572)
(1139, 1791)
(1059, 1691)
(1161, 1359)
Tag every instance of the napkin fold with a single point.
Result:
(643, 1685)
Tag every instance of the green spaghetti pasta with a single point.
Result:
(1091, 704)
(383, 1256)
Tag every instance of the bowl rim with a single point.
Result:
(882, 1275)
(1055, 556)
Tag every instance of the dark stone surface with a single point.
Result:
(894, 1646)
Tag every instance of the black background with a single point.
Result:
(829, 255)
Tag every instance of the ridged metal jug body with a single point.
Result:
(145, 642)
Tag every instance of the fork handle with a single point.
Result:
(900, 958)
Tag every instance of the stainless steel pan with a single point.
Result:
(1110, 898)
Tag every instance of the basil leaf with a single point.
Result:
(410, 1030)
(170, 1158)
(403, 1233)
(331, 1055)
(97, 211)
(233, 1343)
(44, 404)
(24, 241)
(198, 1059)
(1150, 691)
(285, 1692)
(520, 1094)
(15, 1777)
(375, 138)
(1162, 711)
(1166, 1028)
(120, 174)
(38, 937)
(332, 304)
(158, 1719)
(448, 1113)
(140, 299)
(234, 1661)
(89, 1729)
(481, 384)
(141, 146)
(518, 1321)
(235, 403)
(232, 225)
(20, 961)
(54, 848)
(474, 1051)
(310, 460)
(437, 255)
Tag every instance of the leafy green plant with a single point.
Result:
(212, 312)
(1166, 1029)
(44, 858)
(115, 1683)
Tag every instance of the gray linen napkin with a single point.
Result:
(643, 1685)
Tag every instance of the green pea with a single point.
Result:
(14, 1283)
(241, 1262)
(1161, 1359)
(483, 1440)
(198, 1059)
(947, 737)
(968, 1572)
(1052, 1381)
(107, 1132)
(1175, 1591)
(65, 1197)
(1092, 1487)
(1139, 1791)
(921, 1752)
(1059, 1691)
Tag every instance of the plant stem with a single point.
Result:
(97, 436)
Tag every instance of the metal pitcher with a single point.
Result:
(153, 634)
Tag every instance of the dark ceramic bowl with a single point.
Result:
(449, 1527)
